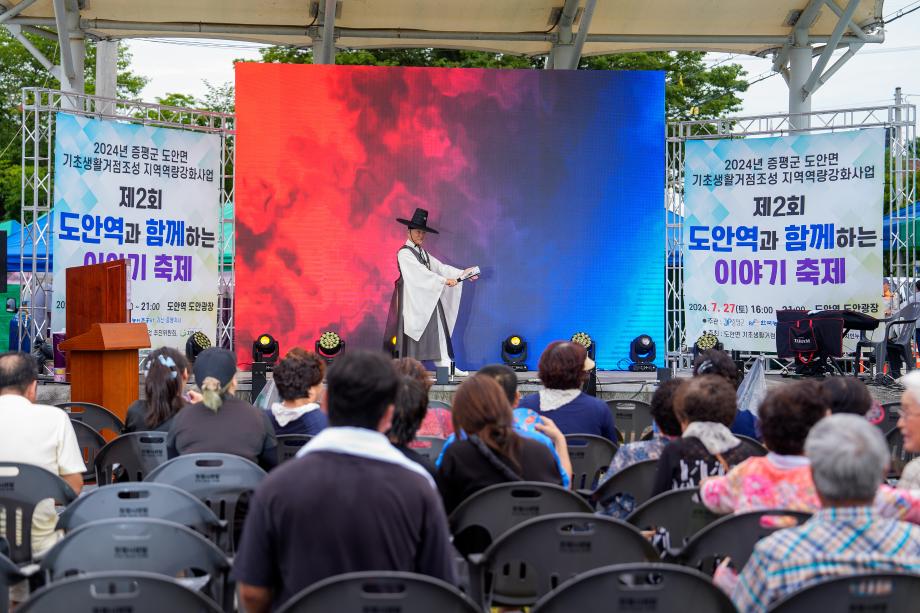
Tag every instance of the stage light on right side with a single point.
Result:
(642, 354)
(514, 353)
(705, 342)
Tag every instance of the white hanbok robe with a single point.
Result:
(424, 289)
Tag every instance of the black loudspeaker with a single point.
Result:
(664, 374)
(259, 378)
(3, 287)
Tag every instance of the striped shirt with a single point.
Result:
(834, 542)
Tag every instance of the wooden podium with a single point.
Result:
(102, 344)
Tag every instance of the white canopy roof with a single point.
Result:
(528, 27)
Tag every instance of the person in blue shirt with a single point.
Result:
(299, 379)
(526, 423)
(563, 369)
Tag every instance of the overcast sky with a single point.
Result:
(869, 78)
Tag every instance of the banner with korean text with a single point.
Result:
(148, 195)
(779, 223)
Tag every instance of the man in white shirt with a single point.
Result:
(427, 298)
(36, 434)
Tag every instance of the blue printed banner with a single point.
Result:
(780, 223)
(147, 195)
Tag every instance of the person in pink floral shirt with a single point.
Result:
(782, 479)
(437, 421)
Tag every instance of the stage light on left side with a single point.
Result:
(265, 349)
(514, 353)
(195, 344)
(329, 345)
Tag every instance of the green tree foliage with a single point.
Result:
(18, 69)
(692, 89)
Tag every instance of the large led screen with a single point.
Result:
(551, 181)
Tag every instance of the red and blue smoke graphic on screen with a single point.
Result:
(550, 181)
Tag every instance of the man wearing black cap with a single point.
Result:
(426, 300)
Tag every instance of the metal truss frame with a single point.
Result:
(901, 158)
(39, 107)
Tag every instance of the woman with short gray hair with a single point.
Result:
(849, 459)
(909, 424)
(847, 537)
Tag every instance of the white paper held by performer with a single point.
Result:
(426, 299)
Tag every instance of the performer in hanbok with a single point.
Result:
(426, 299)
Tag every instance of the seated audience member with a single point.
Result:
(527, 423)
(437, 421)
(349, 502)
(849, 459)
(846, 395)
(221, 422)
(705, 406)
(666, 429)
(299, 379)
(40, 435)
(909, 424)
(491, 452)
(410, 407)
(719, 363)
(166, 371)
(563, 369)
(781, 479)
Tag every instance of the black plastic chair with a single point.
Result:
(438, 404)
(735, 536)
(590, 456)
(675, 515)
(222, 481)
(899, 456)
(96, 417)
(494, 510)
(428, 446)
(22, 486)
(146, 545)
(635, 481)
(876, 592)
(9, 576)
(290, 444)
(136, 592)
(91, 443)
(637, 587)
(631, 417)
(380, 591)
(136, 454)
(753, 444)
(535, 557)
(142, 500)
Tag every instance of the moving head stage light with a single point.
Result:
(514, 353)
(329, 346)
(642, 354)
(265, 349)
(195, 344)
(705, 342)
(584, 339)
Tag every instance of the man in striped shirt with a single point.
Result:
(848, 460)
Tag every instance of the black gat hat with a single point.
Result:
(419, 221)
